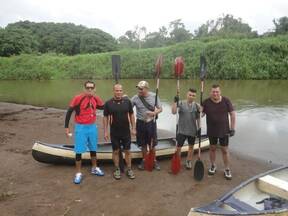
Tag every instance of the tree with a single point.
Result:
(133, 38)
(281, 25)
(14, 41)
(225, 26)
(66, 38)
(178, 32)
(95, 41)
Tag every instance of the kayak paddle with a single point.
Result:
(199, 165)
(150, 156)
(116, 69)
(179, 70)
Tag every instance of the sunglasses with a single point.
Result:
(89, 87)
(141, 89)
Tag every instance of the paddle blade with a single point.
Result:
(116, 67)
(149, 161)
(203, 67)
(179, 66)
(175, 164)
(158, 65)
(198, 170)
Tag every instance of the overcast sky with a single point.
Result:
(118, 16)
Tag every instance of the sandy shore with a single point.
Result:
(28, 187)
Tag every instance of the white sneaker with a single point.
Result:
(212, 170)
(97, 171)
(227, 174)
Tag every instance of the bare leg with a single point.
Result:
(178, 151)
(212, 154)
(226, 156)
(128, 158)
(144, 151)
(115, 157)
(78, 166)
(190, 152)
(94, 162)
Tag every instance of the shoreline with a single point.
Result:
(28, 187)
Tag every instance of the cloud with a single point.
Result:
(116, 17)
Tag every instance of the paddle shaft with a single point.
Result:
(201, 102)
(116, 73)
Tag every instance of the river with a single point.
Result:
(262, 107)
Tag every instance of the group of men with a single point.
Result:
(119, 116)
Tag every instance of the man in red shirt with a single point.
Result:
(85, 106)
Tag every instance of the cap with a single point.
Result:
(143, 84)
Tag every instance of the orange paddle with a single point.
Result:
(179, 70)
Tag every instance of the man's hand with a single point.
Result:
(67, 132)
(232, 132)
(176, 99)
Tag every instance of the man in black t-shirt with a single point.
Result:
(118, 114)
(218, 109)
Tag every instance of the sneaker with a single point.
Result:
(188, 164)
(212, 170)
(97, 171)
(227, 174)
(117, 174)
(157, 165)
(130, 174)
(78, 178)
(141, 165)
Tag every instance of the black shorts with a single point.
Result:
(146, 132)
(181, 139)
(223, 141)
(118, 141)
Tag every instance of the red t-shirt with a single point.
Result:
(86, 112)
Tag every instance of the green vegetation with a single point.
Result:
(258, 58)
(66, 38)
(65, 51)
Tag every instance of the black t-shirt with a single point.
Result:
(118, 112)
(217, 118)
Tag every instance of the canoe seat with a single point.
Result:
(239, 205)
(273, 186)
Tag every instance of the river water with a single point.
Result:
(262, 107)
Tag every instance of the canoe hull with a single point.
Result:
(64, 154)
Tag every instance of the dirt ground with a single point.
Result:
(28, 187)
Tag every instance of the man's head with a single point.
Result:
(118, 91)
(143, 88)
(89, 87)
(191, 94)
(215, 92)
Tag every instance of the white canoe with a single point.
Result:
(265, 194)
(64, 154)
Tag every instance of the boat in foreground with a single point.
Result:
(64, 154)
(265, 194)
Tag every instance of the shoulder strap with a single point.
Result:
(77, 107)
(146, 104)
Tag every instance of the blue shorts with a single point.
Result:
(86, 138)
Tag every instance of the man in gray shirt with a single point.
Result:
(146, 111)
(188, 125)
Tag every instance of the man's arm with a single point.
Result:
(132, 123)
(67, 119)
(174, 108)
(233, 120)
(105, 127)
